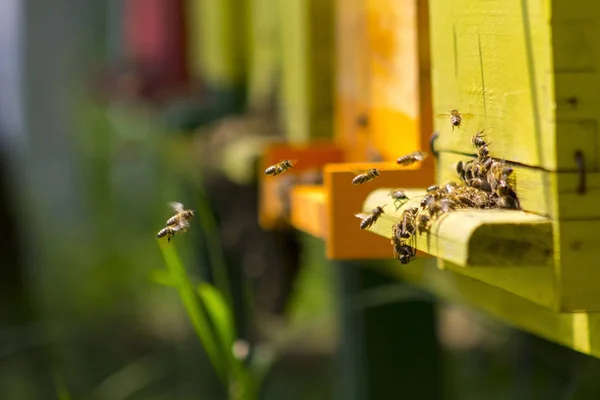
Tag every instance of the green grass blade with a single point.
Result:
(219, 313)
(195, 313)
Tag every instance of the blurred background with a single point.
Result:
(109, 109)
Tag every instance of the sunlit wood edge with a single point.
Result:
(308, 209)
(472, 238)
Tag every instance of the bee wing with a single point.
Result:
(176, 206)
(467, 115)
(362, 215)
(444, 115)
(293, 162)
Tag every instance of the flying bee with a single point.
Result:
(455, 117)
(180, 214)
(411, 158)
(365, 177)
(172, 230)
(367, 220)
(478, 141)
(280, 167)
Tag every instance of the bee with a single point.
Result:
(280, 167)
(433, 188)
(367, 220)
(172, 230)
(508, 202)
(427, 200)
(403, 252)
(365, 177)
(483, 152)
(465, 170)
(441, 207)
(499, 172)
(450, 187)
(398, 195)
(411, 158)
(408, 227)
(180, 214)
(423, 223)
(455, 116)
(478, 141)
(480, 184)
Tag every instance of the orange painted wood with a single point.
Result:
(345, 239)
(309, 210)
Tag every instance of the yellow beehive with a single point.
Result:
(525, 72)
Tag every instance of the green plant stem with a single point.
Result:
(193, 309)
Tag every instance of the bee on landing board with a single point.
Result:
(455, 116)
(280, 167)
(367, 220)
(366, 176)
(411, 158)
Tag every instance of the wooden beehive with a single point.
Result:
(525, 73)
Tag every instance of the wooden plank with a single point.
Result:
(473, 238)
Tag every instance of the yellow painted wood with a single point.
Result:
(307, 46)
(395, 82)
(530, 83)
(473, 238)
(263, 58)
(216, 41)
(579, 331)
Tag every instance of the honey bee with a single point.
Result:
(480, 184)
(180, 214)
(441, 206)
(478, 141)
(365, 177)
(398, 195)
(483, 152)
(499, 172)
(411, 158)
(433, 188)
(423, 223)
(455, 116)
(403, 252)
(450, 187)
(280, 167)
(367, 220)
(427, 200)
(507, 202)
(408, 222)
(172, 230)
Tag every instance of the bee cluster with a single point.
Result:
(486, 184)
